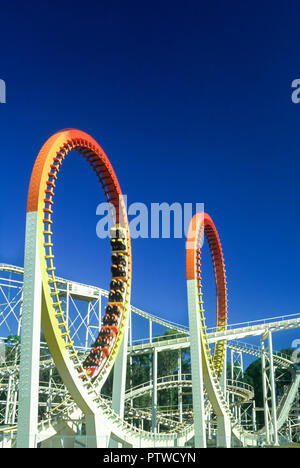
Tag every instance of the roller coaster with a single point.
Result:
(53, 389)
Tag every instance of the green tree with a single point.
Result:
(253, 376)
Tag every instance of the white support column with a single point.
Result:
(237, 366)
(273, 390)
(130, 356)
(30, 339)
(20, 316)
(99, 311)
(223, 379)
(209, 434)
(232, 367)
(15, 402)
(265, 393)
(129, 341)
(67, 303)
(130, 326)
(179, 385)
(290, 430)
(150, 331)
(254, 417)
(8, 401)
(87, 326)
(269, 389)
(131, 382)
(119, 381)
(196, 363)
(150, 366)
(239, 414)
(223, 432)
(49, 399)
(154, 391)
(97, 435)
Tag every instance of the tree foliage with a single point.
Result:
(253, 376)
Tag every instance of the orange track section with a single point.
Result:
(202, 224)
(50, 158)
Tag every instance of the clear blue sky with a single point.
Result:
(191, 101)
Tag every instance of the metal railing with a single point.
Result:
(256, 323)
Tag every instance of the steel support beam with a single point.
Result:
(97, 435)
(30, 339)
(196, 364)
(154, 391)
(269, 390)
(119, 380)
(179, 385)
